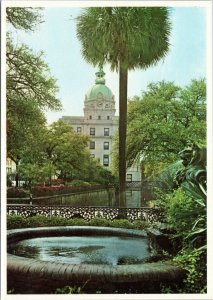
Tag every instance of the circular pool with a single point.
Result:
(109, 250)
(43, 258)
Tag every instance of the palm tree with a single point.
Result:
(127, 38)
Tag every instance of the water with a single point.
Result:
(112, 250)
(134, 198)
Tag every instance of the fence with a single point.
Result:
(142, 213)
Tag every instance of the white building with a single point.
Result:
(100, 123)
(10, 167)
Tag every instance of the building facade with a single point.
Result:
(100, 124)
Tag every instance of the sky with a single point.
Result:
(56, 36)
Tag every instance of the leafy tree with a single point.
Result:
(126, 38)
(25, 18)
(36, 173)
(30, 90)
(66, 150)
(95, 172)
(29, 79)
(25, 125)
(163, 121)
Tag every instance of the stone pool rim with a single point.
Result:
(143, 272)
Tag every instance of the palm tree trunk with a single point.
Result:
(123, 78)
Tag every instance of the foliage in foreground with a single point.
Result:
(69, 290)
(15, 222)
(187, 216)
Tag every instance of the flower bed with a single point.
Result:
(42, 191)
(15, 192)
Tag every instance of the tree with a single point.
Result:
(24, 18)
(28, 78)
(34, 173)
(30, 90)
(126, 38)
(178, 116)
(66, 150)
(25, 125)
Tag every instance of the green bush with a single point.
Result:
(79, 183)
(14, 222)
(122, 223)
(100, 222)
(138, 224)
(76, 222)
(187, 216)
(194, 262)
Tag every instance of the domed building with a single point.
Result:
(100, 123)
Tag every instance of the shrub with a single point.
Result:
(122, 223)
(194, 262)
(76, 222)
(187, 216)
(100, 222)
(15, 192)
(138, 224)
(14, 221)
(79, 183)
(186, 213)
(57, 181)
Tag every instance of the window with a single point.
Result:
(92, 131)
(78, 129)
(106, 131)
(128, 193)
(106, 160)
(90, 117)
(108, 117)
(106, 145)
(92, 155)
(129, 177)
(92, 145)
(99, 117)
(9, 170)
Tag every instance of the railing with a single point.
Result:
(143, 213)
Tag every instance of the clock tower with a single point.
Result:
(99, 101)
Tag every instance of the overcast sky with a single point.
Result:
(57, 38)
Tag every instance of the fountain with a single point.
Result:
(41, 259)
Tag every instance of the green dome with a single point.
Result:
(99, 89)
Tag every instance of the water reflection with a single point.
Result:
(98, 198)
(84, 249)
(19, 250)
(135, 197)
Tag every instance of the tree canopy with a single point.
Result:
(163, 120)
(24, 18)
(30, 90)
(60, 151)
(137, 37)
